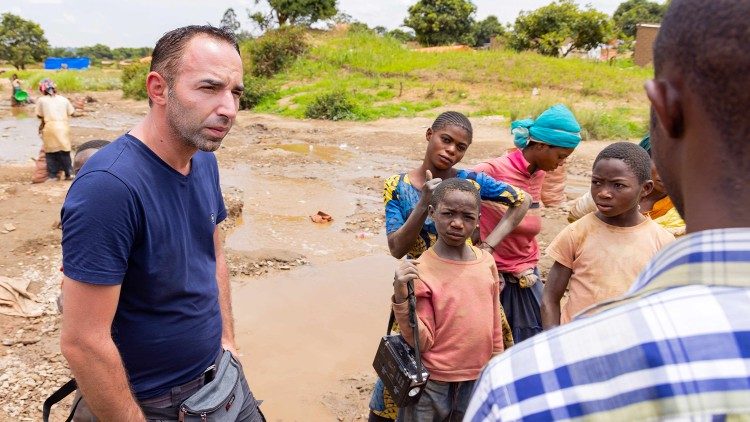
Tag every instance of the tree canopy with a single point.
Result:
(293, 12)
(441, 22)
(632, 12)
(486, 29)
(550, 28)
(21, 41)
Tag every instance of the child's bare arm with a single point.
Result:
(400, 241)
(557, 282)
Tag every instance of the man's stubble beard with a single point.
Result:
(190, 136)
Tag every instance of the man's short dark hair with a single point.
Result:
(707, 42)
(454, 184)
(92, 144)
(635, 157)
(167, 54)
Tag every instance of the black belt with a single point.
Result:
(178, 394)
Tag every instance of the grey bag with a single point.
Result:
(218, 401)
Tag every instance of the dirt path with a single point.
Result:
(310, 300)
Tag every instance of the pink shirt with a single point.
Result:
(459, 315)
(519, 250)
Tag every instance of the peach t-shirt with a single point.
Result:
(605, 259)
(458, 308)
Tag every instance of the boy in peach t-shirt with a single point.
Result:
(599, 256)
(457, 289)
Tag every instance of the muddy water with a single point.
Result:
(277, 211)
(300, 333)
(20, 140)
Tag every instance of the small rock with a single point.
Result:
(8, 342)
(9, 227)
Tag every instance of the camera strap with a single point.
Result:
(412, 298)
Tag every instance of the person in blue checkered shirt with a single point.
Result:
(677, 345)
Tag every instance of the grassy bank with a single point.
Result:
(92, 79)
(384, 79)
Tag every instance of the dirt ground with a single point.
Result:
(310, 300)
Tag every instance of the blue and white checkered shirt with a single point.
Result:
(676, 347)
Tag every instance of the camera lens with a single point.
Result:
(414, 391)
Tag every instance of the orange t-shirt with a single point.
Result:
(458, 308)
(605, 259)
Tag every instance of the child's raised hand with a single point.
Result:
(429, 186)
(406, 272)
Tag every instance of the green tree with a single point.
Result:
(293, 12)
(401, 35)
(21, 41)
(632, 12)
(441, 22)
(229, 22)
(96, 52)
(550, 28)
(62, 52)
(486, 29)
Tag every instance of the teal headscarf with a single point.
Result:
(646, 143)
(556, 126)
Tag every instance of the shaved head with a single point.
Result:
(707, 42)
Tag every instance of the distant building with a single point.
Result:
(67, 63)
(644, 43)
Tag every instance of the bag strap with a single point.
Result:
(414, 327)
(56, 397)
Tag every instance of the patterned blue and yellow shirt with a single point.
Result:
(401, 198)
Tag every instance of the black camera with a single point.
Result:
(396, 366)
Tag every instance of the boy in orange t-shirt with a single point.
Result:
(599, 256)
(457, 289)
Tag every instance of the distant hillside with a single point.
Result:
(384, 78)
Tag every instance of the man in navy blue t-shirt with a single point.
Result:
(146, 293)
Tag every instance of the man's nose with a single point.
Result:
(228, 105)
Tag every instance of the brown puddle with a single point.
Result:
(276, 215)
(301, 332)
(323, 152)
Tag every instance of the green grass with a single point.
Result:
(92, 79)
(385, 79)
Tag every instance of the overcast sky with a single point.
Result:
(138, 23)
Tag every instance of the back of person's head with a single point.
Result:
(85, 151)
(453, 118)
(168, 52)
(634, 156)
(454, 184)
(707, 43)
(47, 86)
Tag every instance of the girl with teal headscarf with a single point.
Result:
(543, 144)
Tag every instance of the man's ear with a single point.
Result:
(428, 134)
(157, 88)
(666, 102)
(430, 208)
(646, 188)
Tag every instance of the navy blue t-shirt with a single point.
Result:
(131, 219)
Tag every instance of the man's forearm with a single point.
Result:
(101, 377)
(225, 301)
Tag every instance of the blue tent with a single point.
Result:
(67, 63)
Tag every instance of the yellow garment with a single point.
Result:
(55, 109)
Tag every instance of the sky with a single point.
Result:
(140, 23)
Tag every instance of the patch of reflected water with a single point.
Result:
(301, 332)
(276, 216)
